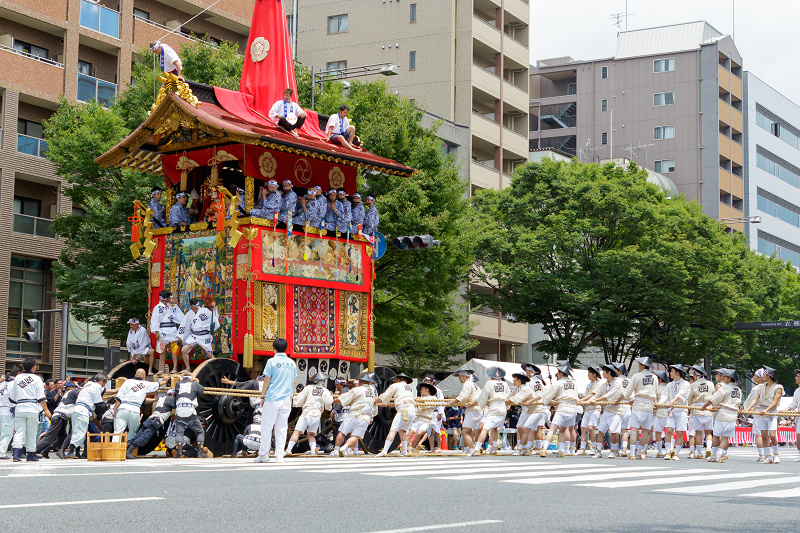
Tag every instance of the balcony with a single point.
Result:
(516, 50)
(98, 18)
(484, 176)
(486, 129)
(487, 81)
(31, 145)
(39, 227)
(516, 96)
(515, 142)
(486, 328)
(519, 8)
(486, 32)
(91, 89)
(724, 76)
(36, 73)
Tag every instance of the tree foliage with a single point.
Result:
(599, 257)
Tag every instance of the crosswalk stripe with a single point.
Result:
(733, 485)
(550, 469)
(592, 477)
(668, 480)
(417, 471)
(785, 493)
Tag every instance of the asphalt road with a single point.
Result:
(426, 493)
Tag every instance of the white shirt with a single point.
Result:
(26, 392)
(170, 57)
(138, 341)
(5, 398)
(91, 393)
(133, 392)
(336, 124)
(165, 313)
(314, 399)
(200, 321)
(282, 108)
(793, 405)
(679, 389)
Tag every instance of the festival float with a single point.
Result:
(311, 287)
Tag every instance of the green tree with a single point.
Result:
(598, 256)
(436, 348)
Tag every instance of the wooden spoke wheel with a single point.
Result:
(381, 424)
(225, 416)
(126, 370)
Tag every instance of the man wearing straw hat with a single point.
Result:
(522, 394)
(643, 389)
(767, 400)
(794, 405)
(402, 395)
(493, 398)
(726, 401)
(563, 392)
(539, 414)
(468, 396)
(677, 418)
(314, 399)
(611, 420)
(701, 422)
(591, 412)
(361, 400)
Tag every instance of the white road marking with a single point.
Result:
(667, 480)
(733, 485)
(416, 469)
(80, 502)
(591, 477)
(439, 526)
(785, 493)
(554, 469)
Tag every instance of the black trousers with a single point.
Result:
(54, 434)
(283, 123)
(145, 433)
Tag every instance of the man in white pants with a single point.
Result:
(130, 398)
(90, 395)
(314, 400)
(472, 413)
(701, 423)
(402, 395)
(27, 394)
(643, 389)
(6, 419)
(279, 375)
(677, 418)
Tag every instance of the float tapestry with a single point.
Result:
(311, 257)
(201, 270)
(314, 320)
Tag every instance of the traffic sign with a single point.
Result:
(379, 247)
(775, 324)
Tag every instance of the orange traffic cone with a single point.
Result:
(443, 445)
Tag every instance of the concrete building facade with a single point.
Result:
(670, 99)
(84, 51)
(772, 170)
(466, 62)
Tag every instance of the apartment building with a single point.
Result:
(772, 170)
(671, 99)
(466, 62)
(83, 50)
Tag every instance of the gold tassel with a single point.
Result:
(135, 250)
(247, 356)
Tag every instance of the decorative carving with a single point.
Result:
(249, 193)
(155, 274)
(270, 314)
(302, 171)
(171, 83)
(170, 202)
(267, 164)
(352, 324)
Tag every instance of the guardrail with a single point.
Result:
(40, 227)
(31, 145)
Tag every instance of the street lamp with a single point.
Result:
(742, 220)
(384, 69)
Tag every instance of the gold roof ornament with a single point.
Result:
(171, 82)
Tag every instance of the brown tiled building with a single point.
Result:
(84, 50)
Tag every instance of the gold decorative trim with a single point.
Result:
(163, 231)
(198, 226)
(155, 274)
(170, 203)
(266, 315)
(249, 193)
(345, 348)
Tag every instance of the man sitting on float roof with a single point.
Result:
(290, 116)
(340, 131)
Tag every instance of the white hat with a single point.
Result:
(133, 320)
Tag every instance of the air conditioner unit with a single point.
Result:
(7, 40)
(173, 25)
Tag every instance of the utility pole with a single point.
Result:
(64, 310)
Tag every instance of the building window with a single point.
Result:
(664, 98)
(663, 132)
(85, 68)
(604, 138)
(791, 216)
(27, 206)
(781, 252)
(603, 73)
(31, 129)
(38, 51)
(790, 176)
(216, 42)
(26, 292)
(141, 14)
(337, 24)
(664, 65)
(665, 165)
(336, 65)
(603, 105)
(412, 60)
(413, 12)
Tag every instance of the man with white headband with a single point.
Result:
(269, 201)
(159, 211)
(170, 62)
(179, 214)
(289, 115)
(138, 343)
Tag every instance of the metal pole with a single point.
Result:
(294, 30)
(312, 86)
(64, 339)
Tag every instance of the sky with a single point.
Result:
(766, 31)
